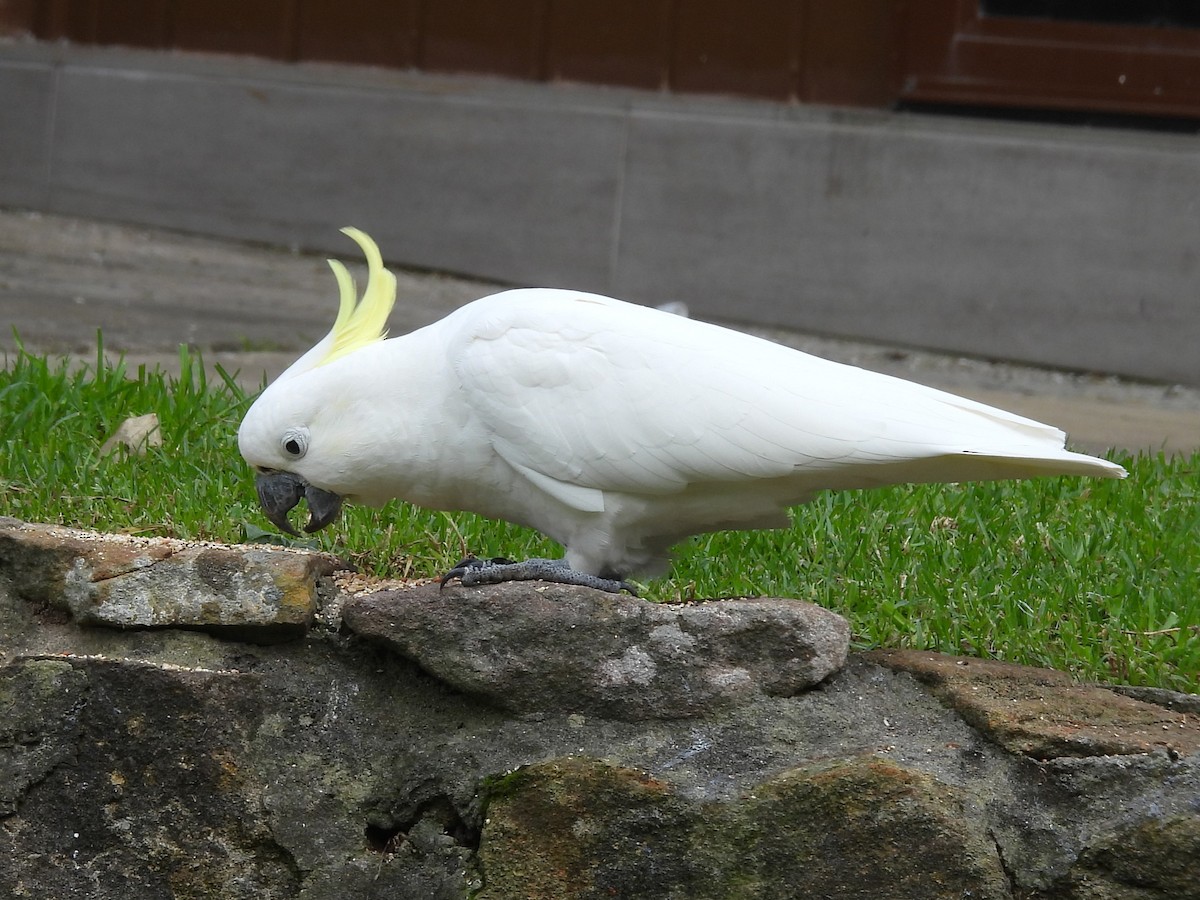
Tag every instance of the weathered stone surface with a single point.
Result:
(167, 763)
(40, 702)
(1160, 697)
(138, 790)
(550, 647)
(251, 592)
(1148, 858)
(581, 828)
(1043, 713)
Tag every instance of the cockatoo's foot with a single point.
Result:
(472, 571)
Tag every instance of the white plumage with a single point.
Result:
(616, 429)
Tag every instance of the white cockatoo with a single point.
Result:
(614, 429)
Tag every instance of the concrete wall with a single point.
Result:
(1069, 247)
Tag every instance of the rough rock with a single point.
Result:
(561, 648)
(1043, 713)
(122, 581)
(146, 764)
(175, 763)
(577, 827)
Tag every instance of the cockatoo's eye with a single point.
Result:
(295, 442)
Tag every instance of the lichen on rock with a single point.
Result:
(852, 828)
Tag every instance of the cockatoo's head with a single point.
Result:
(290, 434)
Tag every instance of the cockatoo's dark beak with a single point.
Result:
(278, 492)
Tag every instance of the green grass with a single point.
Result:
(1099, 578)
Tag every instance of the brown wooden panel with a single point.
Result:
(499, 38)
(623, 42)
(953, 54)
(135, 23)
(259, 28)
(729, 46)
(74, 20)
(848, 52)
(811, 50)
(1075, 77)
(378, 34)
(928, 29)
(17, 16)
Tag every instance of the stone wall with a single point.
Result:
(199, 721)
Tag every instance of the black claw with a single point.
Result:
(460, 569)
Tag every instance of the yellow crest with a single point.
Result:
(360, 323)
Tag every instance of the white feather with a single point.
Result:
(617, 429)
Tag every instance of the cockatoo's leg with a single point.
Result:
(472, 571)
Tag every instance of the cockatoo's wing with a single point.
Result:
(584, 394)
